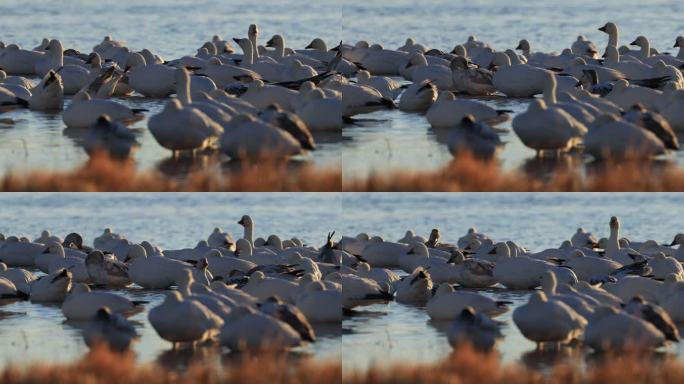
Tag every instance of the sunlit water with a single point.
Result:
(394, 332)
(169, 28)
(30, 332)
(403, 141)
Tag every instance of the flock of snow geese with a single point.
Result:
(266, 101)
(256, 294)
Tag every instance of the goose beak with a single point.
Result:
(603, 29)
(308, 46)
(241, 222)
(269, 43)
(236, 40)
(408, 65)
(518, 47)
(633, 43)
(676, 44)
(673, 243)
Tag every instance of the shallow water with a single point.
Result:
(402, 141)
(169, 28)
(394, 332)
(38, 332)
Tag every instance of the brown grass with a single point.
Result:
(469, 174)
(468, 366)
(104, 367)
(101, 173)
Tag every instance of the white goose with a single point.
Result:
(613, 137)
(544, 321)
(150, 80)
(48, 95)
(164, 319)
(439, 75)
(320, 305)
(153, 272)
(388, 87)
(414, 288)
(447, 111)
(108, 271)
(418, 97)
(248, 329)
(542, 128)
(52, 287)
(610, 329)
(84, 111)
(75, 77)
(82, 304)
(21, 278)
(517, 79)
(181, 128)
(447, 303)
(246, 137)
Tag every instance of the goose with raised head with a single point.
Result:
(75, 77)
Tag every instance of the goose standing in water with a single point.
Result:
(110, 136)
(544, 321)
(181, 128)
(547, 129)
(164, 319)
(475, 137)
(246, 137)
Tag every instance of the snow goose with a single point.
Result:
(153, 272)
(268, 70)
(181, 128)
(289, 314)
(17, 61)
(474, 328)
(613, 34)
(473, 273)
(474, 137)
(666, 71)
(414, 288)
(82, 304)
(164, 320)
(517, 80)
(654, 314)
(629, 286)
(15, 253)
(542, 128)
(19, 81)
(584, 47)
(582, 238)
(112, 137)
(542, 321)
(610, 329)
(110, 329)
(632, 70)
(439, 75)
(418, 97)
(150, 80)
(471, 80)
(357, 99)
(107, 271)
(360, 291)
(679, 42)
(625, 95)
(384, 254)
(519, 272)
(544, 60)
(612, 137)
(662, 266)
(48, 95)
(317, 49)
(263, 287)
(85, 111)
(586, 267)
(52, 287)
(673, 112)
(262, 95)
(21, 278)
(379, 61)
(381, 275)
(247, 137)
(655, 123)
(389, 88)
(10, 291)
(247, 329)
(319, 304)
(321, 113)
(549, 286)
(290, 123)
(447, 111)
(447, 303)
(75, 77)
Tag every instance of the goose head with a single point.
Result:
(459, 63)
(363, 76)
(79, 288)
(95, 258)
(445, 96)
(253, 31)
(679, 42)
(609, 28)
(460, 50)
(246, 221)
(60, 279)
(418, 249)
(52, 83)
(640, 41)
(678, 239)
(537, 297)
(318, 45)
(444, 288)
(54, 248)
(276, 41)
(523, 45)
(420, 278)
(135, 60)
(614, 224)
(274, 241)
